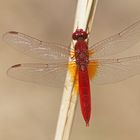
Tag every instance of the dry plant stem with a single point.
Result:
(83, 20)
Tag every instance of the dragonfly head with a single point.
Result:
(79, 34)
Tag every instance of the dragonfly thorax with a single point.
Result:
(81, 54)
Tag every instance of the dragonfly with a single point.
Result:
(91, 63)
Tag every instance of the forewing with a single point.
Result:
(45, 74)
(115, 70)
(30, 46)
(118, 42)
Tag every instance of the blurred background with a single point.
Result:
(29, 111)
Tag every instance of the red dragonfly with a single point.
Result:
(90, 63)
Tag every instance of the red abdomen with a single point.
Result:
(85, 99)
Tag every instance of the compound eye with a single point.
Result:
(75, 36)
(79, 33)
(84, 34)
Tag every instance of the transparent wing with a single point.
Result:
(118, 42)
(30, 46)
(115, 70)
(46, 74)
